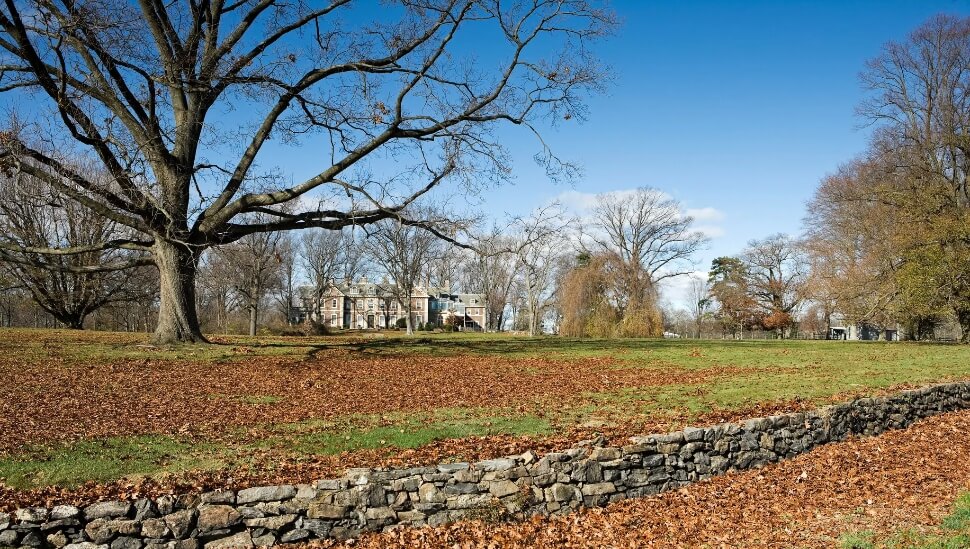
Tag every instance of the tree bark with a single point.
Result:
(409, 327)
(963, 317)
(178, 321)
(253, 315)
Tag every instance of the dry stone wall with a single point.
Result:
(363, 500)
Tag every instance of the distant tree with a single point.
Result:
(538, 251)
(492, 270)
(647, 229)
(736, 308)
(776, 270)
(595, 302)
(253, 265)
(699, 302)
(216, 294)
(401, 250)
(37, 216)
(323, 255)
(287, 294)
(852, 239)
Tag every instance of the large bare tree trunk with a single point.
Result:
(178, 321)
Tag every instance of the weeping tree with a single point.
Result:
(184, 104)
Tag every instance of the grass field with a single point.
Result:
(78, 407)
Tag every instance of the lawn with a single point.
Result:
(108, 408)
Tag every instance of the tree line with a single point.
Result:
(547, 271)
(886, 240)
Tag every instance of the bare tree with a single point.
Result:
(699, 296)
(322, 254)
(286, 290)
(539, 247)
(402, 251)
(136, 86)
(216, 291)
(34, 215)
(492, 271)
(776, 268)
(254, 268)
(646, 228)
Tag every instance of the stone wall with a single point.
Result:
(512, 487)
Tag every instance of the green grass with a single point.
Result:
(735, 375)
(150, 456)
(953, 533)
(105, 460)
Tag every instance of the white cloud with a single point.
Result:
(710, 231)
(676, 291)
(705, 214)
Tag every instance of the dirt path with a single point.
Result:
(901, 479)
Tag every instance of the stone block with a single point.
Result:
(154, 528)
(468, 501)
(502, 488)
(217, 517)
(429, 493)
(452, 468)
(461, 488)
(242, 540)
(693, 434)
(604, 454)
(180, 523)
(265, 493)
(107, 509)
(294, 536)
(598, 489)
(62, 512)
(327, 511)
(493, 465)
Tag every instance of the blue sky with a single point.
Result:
(736, 109)
(737, 106)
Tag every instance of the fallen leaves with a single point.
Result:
(804, 502)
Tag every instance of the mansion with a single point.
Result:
(368, 305)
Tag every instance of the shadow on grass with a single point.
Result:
(506, 345)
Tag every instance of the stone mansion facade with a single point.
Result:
(365, 305)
